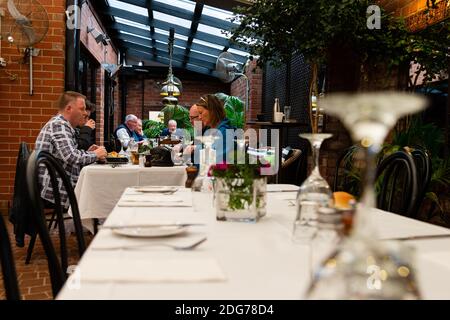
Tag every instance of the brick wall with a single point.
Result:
(22, 115)
(255, 77)
(403, 8)
(192, 91)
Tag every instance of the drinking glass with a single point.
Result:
(202, 187)
(362, 267)
(313, 193)
(287, 113)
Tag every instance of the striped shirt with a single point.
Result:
(59, 138)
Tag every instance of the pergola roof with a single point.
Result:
(140, 30)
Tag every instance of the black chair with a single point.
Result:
(398, 190)
(7, 263)
(57, 270)
(422, 161)
(346, 176)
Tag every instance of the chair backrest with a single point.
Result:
(345, 174)
(20, 213)
(7, 263)
(398, 190)
(422, 161)
(57, 270)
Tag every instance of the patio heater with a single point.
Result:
(172, 86)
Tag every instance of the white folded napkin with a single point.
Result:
(143, 269)
(153, 201)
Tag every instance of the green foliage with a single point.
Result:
(275, 30)
(152, 129)
(234, 109)
(180, 114)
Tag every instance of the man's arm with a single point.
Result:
(84, 139)
(65, 148)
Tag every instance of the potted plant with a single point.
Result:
(240, 191)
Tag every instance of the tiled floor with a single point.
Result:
(34, 279)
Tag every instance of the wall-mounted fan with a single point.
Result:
(228, 69)
(25, 24)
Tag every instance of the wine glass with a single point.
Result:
(202, 187)
(313, 193)
(362, 267)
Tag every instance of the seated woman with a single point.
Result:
(212, 114)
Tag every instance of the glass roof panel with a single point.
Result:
(208, 44)
(239, 52)
(171, 19)
(184, 4)
(204, 53)
(134, 35)
(211, 30)
(132, 23)
(217, 13)
(128, 7)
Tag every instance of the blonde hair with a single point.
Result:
(67, 97)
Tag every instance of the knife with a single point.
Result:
(424, 237)
(152, 225)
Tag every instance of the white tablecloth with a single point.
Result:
(258, 260)
(99, 187)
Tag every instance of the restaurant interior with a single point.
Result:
(310, 157)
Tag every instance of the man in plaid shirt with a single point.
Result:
(58, 137)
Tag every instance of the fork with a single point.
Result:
(144, 245)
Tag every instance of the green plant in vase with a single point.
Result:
(240, 190)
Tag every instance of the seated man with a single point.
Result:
(58, 138)
(85, 132)
(172, 130)
(139, 132)
(125, 131)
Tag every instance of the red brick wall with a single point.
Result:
(255, 76)
(192, 91)
(22, 115)
(403, 8)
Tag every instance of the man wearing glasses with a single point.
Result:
(193, 114)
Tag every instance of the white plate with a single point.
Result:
(156, 189)
(151, 232)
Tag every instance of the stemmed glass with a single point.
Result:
(362, 267)
(313, 193)
(123, 147)
(202, 187)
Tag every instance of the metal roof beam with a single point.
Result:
(166, 26)
(178, 51)
(195, 20)
(177, 64)
(149, 4)
(185, 14)
(163, 53)
(160, 37)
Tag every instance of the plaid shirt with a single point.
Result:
(59, 138)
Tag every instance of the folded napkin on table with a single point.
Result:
(100, 269)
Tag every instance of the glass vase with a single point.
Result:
(236, 200)
(362, 267)
(313, 193)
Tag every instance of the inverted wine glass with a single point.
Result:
(362, 267)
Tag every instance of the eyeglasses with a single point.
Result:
(192, 118)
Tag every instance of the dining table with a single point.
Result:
(225, 260)
(100, 186)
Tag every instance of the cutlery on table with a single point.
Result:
(154, 244)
